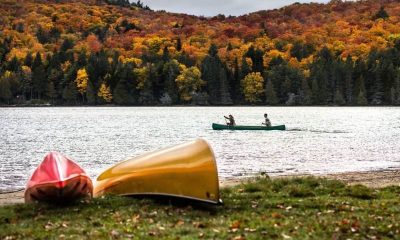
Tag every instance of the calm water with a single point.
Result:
(318, 140)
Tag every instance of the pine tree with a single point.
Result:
(361, 99)
(39, 81)
(28, 60)
(178, 45)
(121, 94)
(396, 90)
(339, 100)
(210, 72)
(315, 92)
(91, 93)
(270, 94)
(170, 72)
(305, 94)
(51, 92)
(225, 95)
(70, 93)
(237, 94)
(381, 14)
(349, 88)
(5, 89)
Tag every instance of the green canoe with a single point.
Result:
(217, 126)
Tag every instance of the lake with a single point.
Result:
(318, 140)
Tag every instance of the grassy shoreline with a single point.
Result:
(263, 208)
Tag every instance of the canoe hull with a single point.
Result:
(216, 126)
(185, 171)
(58, 180)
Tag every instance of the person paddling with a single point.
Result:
(267, 122)
(231, 120)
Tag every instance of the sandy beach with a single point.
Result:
(374, 179)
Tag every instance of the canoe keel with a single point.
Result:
(187, 171)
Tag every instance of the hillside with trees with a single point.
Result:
(92, 52)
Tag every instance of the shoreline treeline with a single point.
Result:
(92, 67)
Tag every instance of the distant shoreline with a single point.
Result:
(373, 179)
(192, 106)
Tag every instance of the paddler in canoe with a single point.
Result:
(267, 122)
(231, 120)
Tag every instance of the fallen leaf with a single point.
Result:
(235, 224)
(276, 215)
(179, 222)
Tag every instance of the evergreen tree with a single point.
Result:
(305, 93)
(51, 92)
(237, 94)
(271, 98)
(39, 78)
(315, 92)
(171, 72)
(224, 93)
(70, 93)
(165, 56)
(245, 69)
(5, 90)
(395, 91)
(381, 14)
(91, 95)
(361, 96)
(361, 99)
(210, 72)
(257, 59)
(339, 100)
(13, 65)
(28, 60)
(348, 81)
(178, 45)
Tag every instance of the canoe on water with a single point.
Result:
(217, 126)
(185, 171)
(58, 179)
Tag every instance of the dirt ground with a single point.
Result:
(374, 179)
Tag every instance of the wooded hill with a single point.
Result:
(113, 51)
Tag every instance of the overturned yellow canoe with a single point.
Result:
(188, 170)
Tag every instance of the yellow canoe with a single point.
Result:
(188, 170)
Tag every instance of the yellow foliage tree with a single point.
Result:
(253, 87)
(105, 93)
(141, 77)
(81, 81)
(188, 82)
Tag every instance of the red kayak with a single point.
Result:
(58, 179)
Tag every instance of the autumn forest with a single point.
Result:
(93, 52)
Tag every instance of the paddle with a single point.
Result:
(226, 122)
